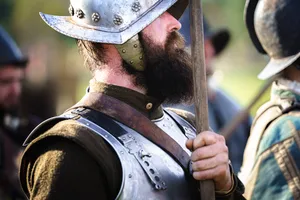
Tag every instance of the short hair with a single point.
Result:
(93, 53)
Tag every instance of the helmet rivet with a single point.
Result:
(118, 20)
(71, 10)
(123, 51)
(136, 6)
(135, 45)
(79, 13)
(96, 17)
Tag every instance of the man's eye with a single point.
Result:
(8, 81)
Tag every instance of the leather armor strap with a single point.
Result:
(129, 116)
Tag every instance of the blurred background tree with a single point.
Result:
(56, 70)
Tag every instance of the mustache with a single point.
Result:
(174, 39)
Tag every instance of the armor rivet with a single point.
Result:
(123, 51)
(149, 106)
(135, 45)
(164, 183)
(152, 171)
(157, 187)
(141, 58)
(130, 136)
(136, 6)
(87, 124)
(96, 17)
(106, 136)
(130, 176)
(131, 62)
(118, 20)
(123, 138)
(71, 10)
(79, 13)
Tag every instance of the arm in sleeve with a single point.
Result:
(64, 170)
(236, 193)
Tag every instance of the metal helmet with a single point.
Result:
(114, 22)
(111, 21)
(273, 26)
(10, 52)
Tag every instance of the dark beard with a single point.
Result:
(168, 72)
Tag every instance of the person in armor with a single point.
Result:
(222, 108)
(118, 142)
(14, 126)
(271, 163)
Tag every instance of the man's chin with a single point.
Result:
(168, 74)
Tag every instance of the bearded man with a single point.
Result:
(118, 142)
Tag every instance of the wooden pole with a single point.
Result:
(207, 188)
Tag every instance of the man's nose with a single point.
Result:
(174, 24)
(15, 88)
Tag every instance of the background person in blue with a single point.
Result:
(221, 107)
(271, 166)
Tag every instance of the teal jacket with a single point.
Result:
(272, 157)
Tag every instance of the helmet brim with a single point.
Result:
(277, 65)
(178, 8)
(67, 26)
(20, 63)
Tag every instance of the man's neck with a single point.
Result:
(292, 74)
(117, 77)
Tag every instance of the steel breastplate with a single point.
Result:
(148, 171)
